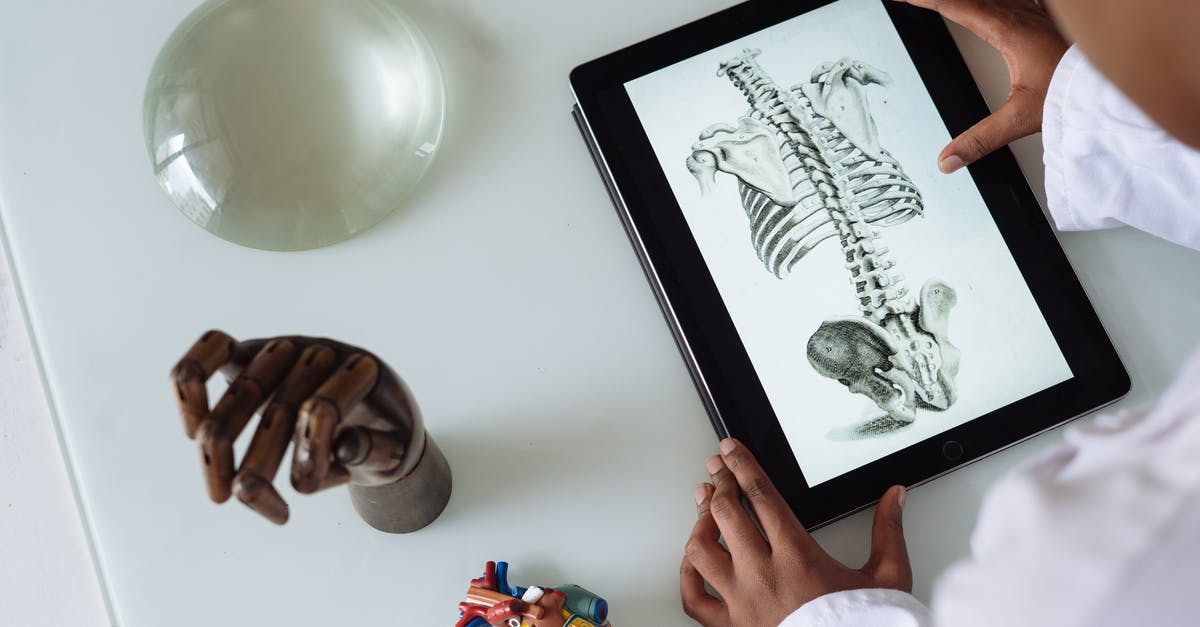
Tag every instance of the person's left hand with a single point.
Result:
(765, 576)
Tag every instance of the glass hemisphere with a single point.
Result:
(293, 124)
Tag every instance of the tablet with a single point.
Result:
(853, 315)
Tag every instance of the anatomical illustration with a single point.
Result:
(810, 168)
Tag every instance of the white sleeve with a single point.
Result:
(1108, 165)
(1100, 531)
(879, 607)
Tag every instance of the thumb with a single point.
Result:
(1017, 118)
(888, 564)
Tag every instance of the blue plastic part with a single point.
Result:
(478, 622)
(585, 603)
(518, 592)
(502, 579)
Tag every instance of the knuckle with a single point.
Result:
(722, 504)
(248, 486)
(211, 433)
(976, 146)
(318, 355)
(1026, 116)
(689, 608)
(758, 488)
(186, 371)
(693, 549)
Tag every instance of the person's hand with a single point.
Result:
(765, 576)
(1026, 37)
(352, 418)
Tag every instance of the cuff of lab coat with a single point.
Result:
(875, 607)
(1054, 131)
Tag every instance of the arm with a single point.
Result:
(1024, 34)
(1099, 531)
(1109, 165)
(1149, 49)
(877, 607)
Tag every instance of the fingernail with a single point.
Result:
(951, 163)
(714, 465)
(900, 500)
(727, 446)
(701, 492)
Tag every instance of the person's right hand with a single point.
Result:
(1026, 37)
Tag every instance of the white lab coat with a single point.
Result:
(1104, 530)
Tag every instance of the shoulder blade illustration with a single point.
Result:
(810, 168)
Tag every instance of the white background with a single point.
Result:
(503, 349)
(1008, 351)
(46, 572)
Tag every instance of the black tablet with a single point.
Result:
(853, 315)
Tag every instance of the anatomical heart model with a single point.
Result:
(810, 168)
(492, 602)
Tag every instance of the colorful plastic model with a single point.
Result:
(491, 602)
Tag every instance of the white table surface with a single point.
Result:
(505, 292)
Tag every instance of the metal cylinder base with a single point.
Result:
(412, 502)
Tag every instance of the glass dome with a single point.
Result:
(293, 124)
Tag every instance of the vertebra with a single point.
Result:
(821, 138)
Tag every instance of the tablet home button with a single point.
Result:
(952, 450)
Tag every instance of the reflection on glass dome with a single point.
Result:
(293, 124)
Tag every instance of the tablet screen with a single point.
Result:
(875, 296)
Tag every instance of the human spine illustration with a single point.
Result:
(810, 168)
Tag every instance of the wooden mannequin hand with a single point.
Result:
(1027, 38)
(764, 576)
(351, 417)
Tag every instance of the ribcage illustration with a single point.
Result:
(810, 168)
(783, 233)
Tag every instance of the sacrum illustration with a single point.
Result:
(810, 168)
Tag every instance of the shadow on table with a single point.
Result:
(502, 464)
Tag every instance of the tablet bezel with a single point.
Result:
(711, 346)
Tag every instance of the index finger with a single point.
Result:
(320, 416)
(190, 376)
(233, 412)
(776, 518)
(1018, 117)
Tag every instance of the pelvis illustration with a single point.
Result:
(810, 168)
